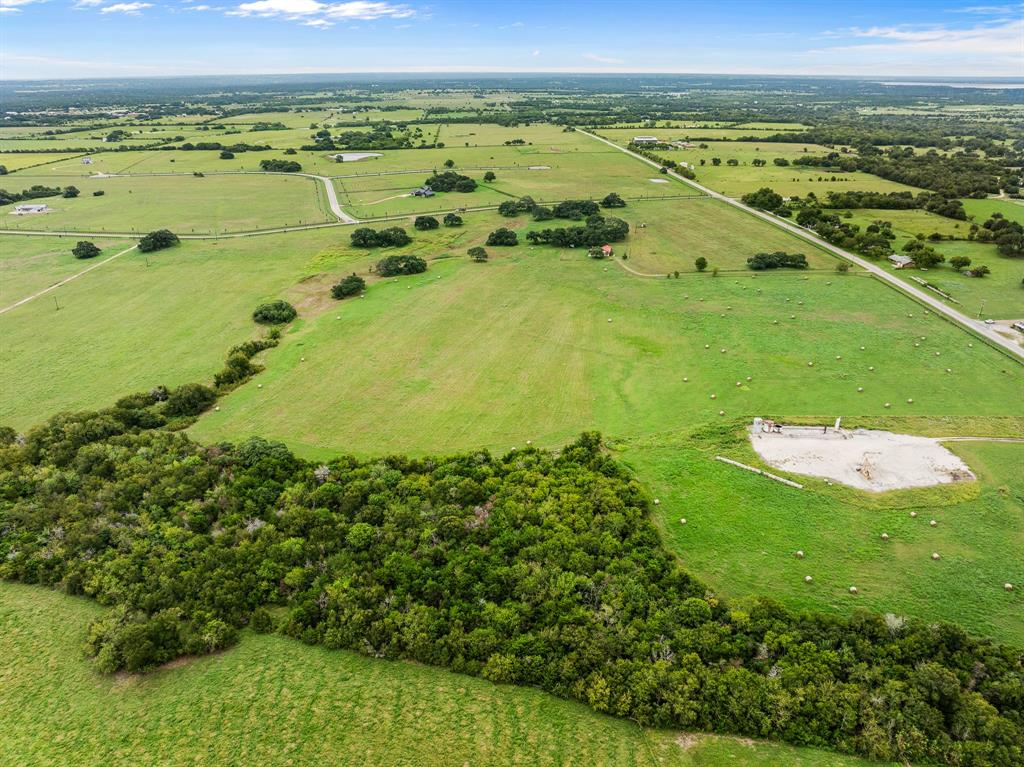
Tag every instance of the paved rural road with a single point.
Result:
(332, 198)
(930, 301)
(66, 280)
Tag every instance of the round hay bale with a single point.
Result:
(656, 502)
(259, 386)
(609, 319)
(949, 370)
(860, 388)
(885, 536)
(685, 379)
(937, 353)
(707, 346)
(1008, 587)
(799, 554)
(853, 590)
(739, 383)
(722, 351)
(302, 359)
(749, 378)
(839, 356)
(872, 368)
(913, 515)
(916, 345)
(217, 409)
(810, 364)
(682, 521)
(714, 396)
(775, 322)
(888, 404)
(808, 579)
(933, 523)
(862, 348)
(910, 400)
(935, 555)
(721, 412)
(792, 316)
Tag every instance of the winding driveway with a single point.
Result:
(978, 328)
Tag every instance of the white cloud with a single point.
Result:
(535, 53)
(13, 6)
(300, 10)
(199, 8)
(1004, 37)
(318, 23)
(991, 10)
(602, 59)
(130, 8)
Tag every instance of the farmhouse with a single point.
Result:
(24, 210)
(423, 191)
(901, 262)
(606, 251)
(645, 140)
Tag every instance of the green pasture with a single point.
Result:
(167, 317)
(742, 531)
(20, 160)
(538, 344)
(982, 210)
(676, 233)
(907, 224)
(274, 702)
(30, 264)
(184, 204)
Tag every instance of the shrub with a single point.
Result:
(424, 223)
(701, 263)
(85, 249)
(489, 176)
(70, 191)
(612, 200)
(478, 254)
(393, 266)
(98, 193)
(502, 237)
(158, 240)
(764, 198)
(226, 155)
(452, 219)
(274, 313)
(189, 399)
(349, 286)
(960, 262)
(843, 267)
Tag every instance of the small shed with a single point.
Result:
(86, 161)
(901, 262)
(423, 191)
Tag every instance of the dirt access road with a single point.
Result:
(978, 328)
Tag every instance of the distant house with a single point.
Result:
(24, 210)
(901, 262)
(645, 140)
(86, 161)
(423, 191)
(606, 251)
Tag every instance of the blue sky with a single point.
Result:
(111, 38)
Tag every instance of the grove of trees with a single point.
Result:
(158, 240)
(276, 312)
(391, 237)
(393, 266)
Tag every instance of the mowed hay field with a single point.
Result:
(273, 701)
(742, 530)
(30, 264)
(167, 317)
(184, 204)
(539, 343)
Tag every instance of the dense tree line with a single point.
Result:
(597, 230)
(1006, 234)
(34, 192)
(875, 241)
(534, 568)
(777, 260)
(956, 175)
(280, 166)
(933, 203)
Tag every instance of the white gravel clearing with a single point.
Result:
(868, 460)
